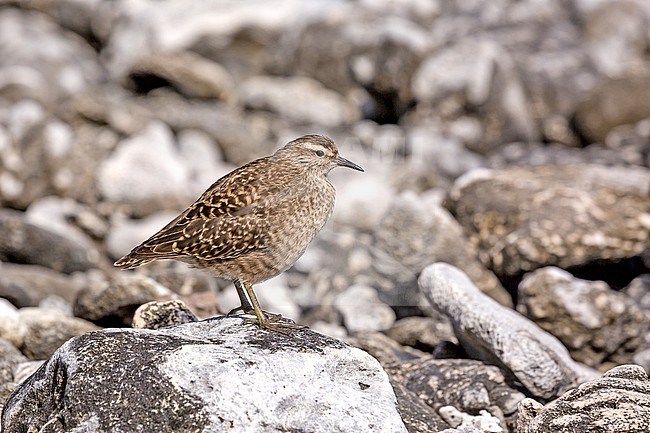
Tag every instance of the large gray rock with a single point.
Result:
(31, 244)
(593, 321)
(138, 172)
(217, 375)
(415, 232)
(558, 215)
(299, 99)
(502, 336)
(191, 75)
(28, 285)
(47, 330)
(468, 385)
(113, 302)
(618, 402)
(362, 310)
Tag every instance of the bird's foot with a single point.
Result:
(275, 322)
(270, 317)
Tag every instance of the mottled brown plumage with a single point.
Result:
(255, 222)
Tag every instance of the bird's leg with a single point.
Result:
(245, 306)
(268, 320)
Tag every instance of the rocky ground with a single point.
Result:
(494, 258)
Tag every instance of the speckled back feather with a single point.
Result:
(228, 220)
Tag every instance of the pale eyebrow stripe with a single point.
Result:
(317, 147)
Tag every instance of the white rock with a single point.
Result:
(301, 99)
(362, 310)
(489, 330)
(145, 166)
(53, 213)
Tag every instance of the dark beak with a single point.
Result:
(347, 163)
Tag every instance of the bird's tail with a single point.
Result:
(131, 262)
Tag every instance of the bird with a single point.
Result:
(253, 223)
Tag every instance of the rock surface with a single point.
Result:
(554, 215)
(156, 315)
(468, 385)
(214, 375)
(46, 330)
(362, 310)
(31, 244)
(618, 402)
(112, 303)
(592, 320)
(414, 233)
(10, 358)
(499, 335)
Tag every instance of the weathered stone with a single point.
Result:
(240, 137)
(28, 285)
(502, 336)
(639, 290)
(415, 232)
(30, 244)
(47, 330)
(300, 99)
(191, 75)
(523, 218)
(112, 303)
(42, 60)
(424, 333)
(470, 70)
(535, 154)
(618, 402)
(68, 218)
(590, 319)
(156, 315)
(12, 328)
(10, 357)
(463, 422)
(468, 385)
(362, 310)
(140, 173)
(418, 417)
(382, 348)
(26, 369)
(217, 375)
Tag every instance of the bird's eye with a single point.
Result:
(320, 153)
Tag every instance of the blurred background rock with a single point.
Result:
(501, 137)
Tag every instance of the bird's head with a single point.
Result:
(316, 152)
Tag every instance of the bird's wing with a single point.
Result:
(228, 220)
